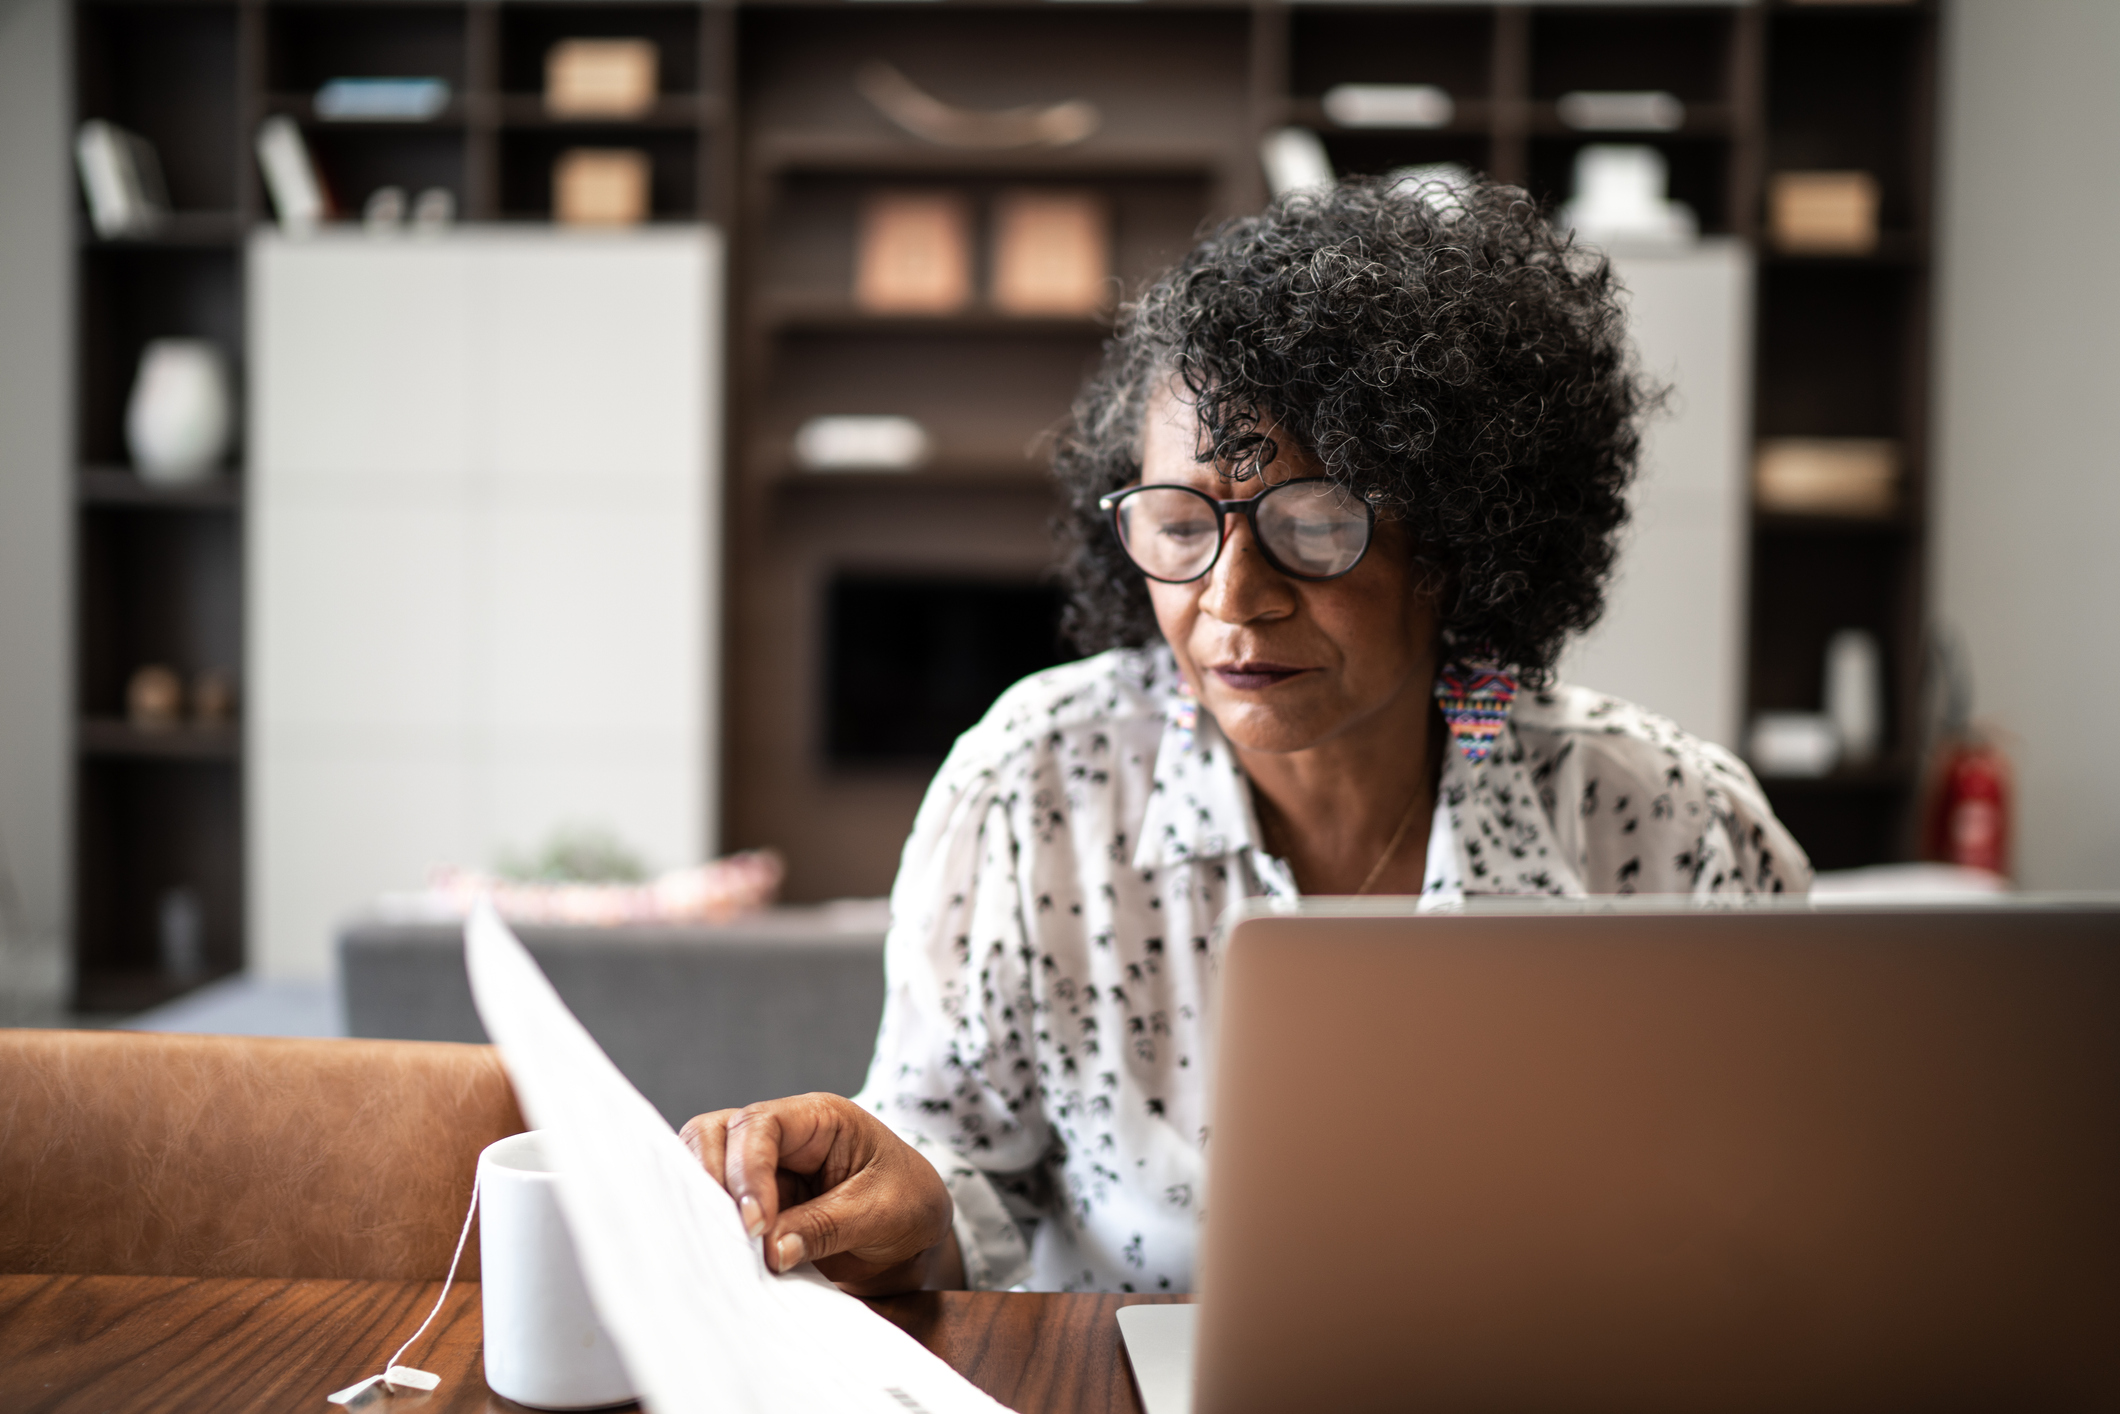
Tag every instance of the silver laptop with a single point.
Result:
(1655, 1159)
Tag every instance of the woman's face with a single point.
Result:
(1285, 664)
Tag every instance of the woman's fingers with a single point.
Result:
(769, 1140)
(707, 1137)
(822, 1180)
(879, 1221)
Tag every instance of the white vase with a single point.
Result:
(178, 422)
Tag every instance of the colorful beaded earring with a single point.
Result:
(1474, 698)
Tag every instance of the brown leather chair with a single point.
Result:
(232, 1156)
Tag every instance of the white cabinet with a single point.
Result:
(484, 558)
(1673, 634)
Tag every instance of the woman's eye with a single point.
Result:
(1183, 530)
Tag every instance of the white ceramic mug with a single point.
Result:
(545, 1346)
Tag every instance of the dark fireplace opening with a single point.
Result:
(910, 663)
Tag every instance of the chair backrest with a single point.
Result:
(230, 1156)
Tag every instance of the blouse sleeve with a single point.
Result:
(1663, 812)
(952, 1073)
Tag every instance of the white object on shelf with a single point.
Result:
(1673, 632)
(121, 178)
(483, 577)
(1794, 744)
(1295, 160)
(290, 178)
(384, 211)
(1389, 105)
(434, 209)
(1620, 197)
(861, 444)
(382, 100)
(1855, 692)
(180, 415)
(1439, 185)
(1653, 111)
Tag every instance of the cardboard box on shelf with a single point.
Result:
(914, 255)
(1832, 476)
(1052, 253)
(601, 186)
(600, 78)
(1823, 213)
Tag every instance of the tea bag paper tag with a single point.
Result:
(405, 1377)
(354, 1391)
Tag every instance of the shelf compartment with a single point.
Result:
(168, 73)
(1699, 170)
(527, 32)
(155, 588)
(527, 157)
(1376, 152)
(129, 294)
(356, 159)
(1845, 91)
(1684, 52)
(1834, 356)
(144, 828)
(1807, 588)
(1451, 48)
(308, 45)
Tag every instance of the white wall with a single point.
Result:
(1672, 638)
(2026, 560)
(483, 563)
(35, 526)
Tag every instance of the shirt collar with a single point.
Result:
(1198, 803)
(1200, 808)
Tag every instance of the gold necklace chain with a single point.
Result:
(1397, 837)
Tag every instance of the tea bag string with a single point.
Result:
(395, 1374)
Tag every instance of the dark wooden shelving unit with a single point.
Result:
(1843, 351)
(761, 128)
(159, 570)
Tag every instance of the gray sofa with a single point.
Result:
(699, 1018)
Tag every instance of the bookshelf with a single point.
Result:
(159, 572)
(760, 127)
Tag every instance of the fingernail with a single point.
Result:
(789, 1249)
(754, 1217)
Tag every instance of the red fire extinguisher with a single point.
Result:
(1968, 818)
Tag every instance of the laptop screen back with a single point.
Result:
(1666, 1161)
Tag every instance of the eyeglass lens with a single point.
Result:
(1315, 529)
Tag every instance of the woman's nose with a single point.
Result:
(1241, 587)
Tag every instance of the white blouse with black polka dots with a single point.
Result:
(1052, 953)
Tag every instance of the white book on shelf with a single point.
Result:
(297, 194)
(121, 178)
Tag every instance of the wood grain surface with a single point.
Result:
(1036, 1352)
(181, 1345)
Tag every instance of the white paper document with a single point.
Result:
(701, 1323)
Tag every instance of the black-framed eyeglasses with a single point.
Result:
(1311, 528)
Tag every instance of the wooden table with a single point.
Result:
(170, 1345)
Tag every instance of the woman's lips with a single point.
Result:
(1254, 677)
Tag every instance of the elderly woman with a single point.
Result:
(1349, 477)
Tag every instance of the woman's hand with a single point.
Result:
(823, 1180)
